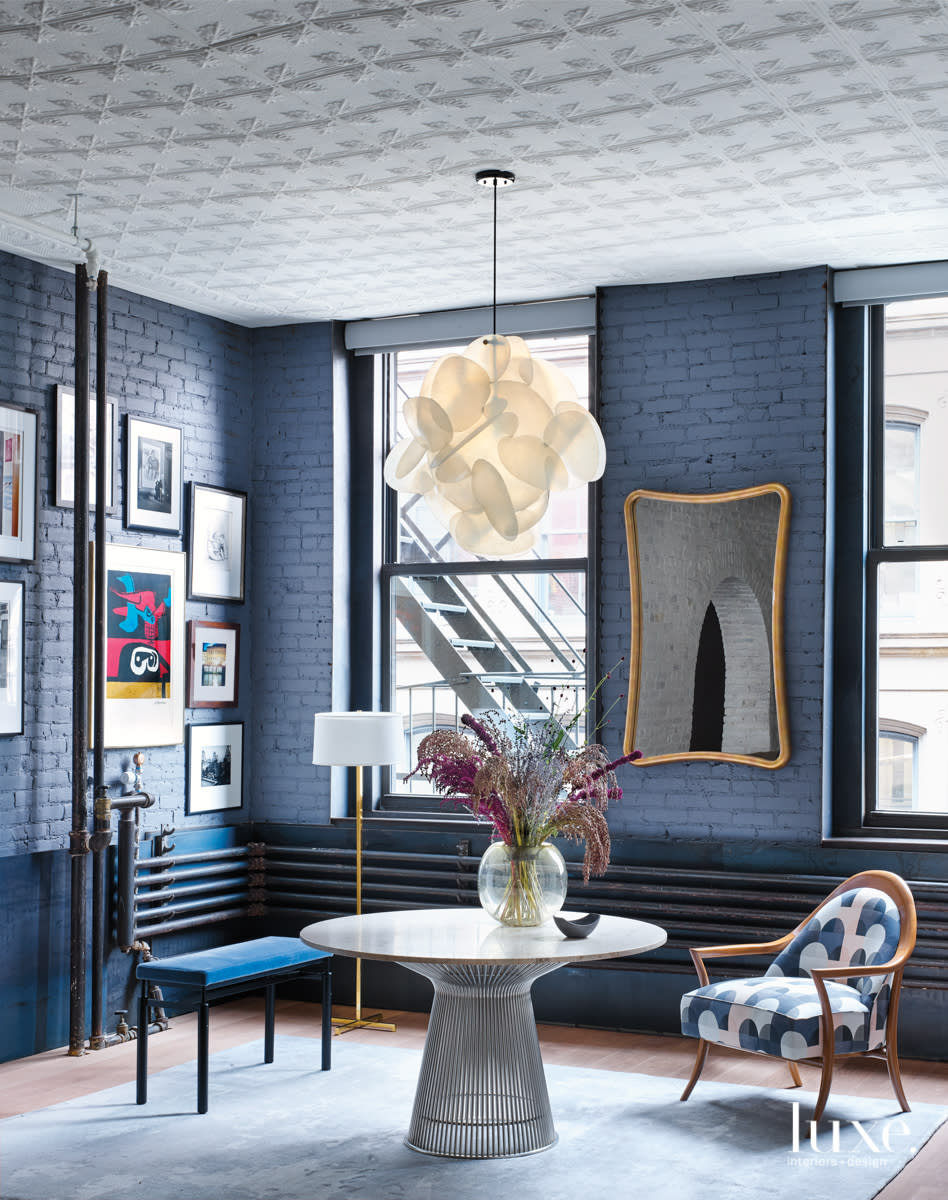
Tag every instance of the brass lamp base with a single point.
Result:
(344, 1024)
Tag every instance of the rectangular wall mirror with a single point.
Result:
(706, 669)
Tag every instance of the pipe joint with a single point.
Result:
(78, 842)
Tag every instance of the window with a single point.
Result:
(898, 767)
(891, 603)
(462, 633)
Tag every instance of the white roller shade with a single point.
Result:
(880, 285)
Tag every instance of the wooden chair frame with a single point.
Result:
(897, 890)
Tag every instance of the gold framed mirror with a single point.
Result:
(706, 668)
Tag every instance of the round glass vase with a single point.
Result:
(521, 885)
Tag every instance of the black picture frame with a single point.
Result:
(214, 769)
(217, 543)
(154, 490)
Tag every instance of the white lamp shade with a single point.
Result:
(357, 739)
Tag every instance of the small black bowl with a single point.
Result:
(578, 927)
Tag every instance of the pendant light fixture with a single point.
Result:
(493, 431)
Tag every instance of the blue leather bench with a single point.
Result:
(228, 971)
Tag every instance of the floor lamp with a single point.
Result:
(358, 739)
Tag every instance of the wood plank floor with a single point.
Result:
(49, 1078)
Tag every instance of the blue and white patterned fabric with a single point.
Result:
(778, 1013)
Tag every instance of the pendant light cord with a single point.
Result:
(495, 257)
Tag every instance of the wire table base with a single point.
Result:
(481, 1091)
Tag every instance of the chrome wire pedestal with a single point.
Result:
(482, 1092)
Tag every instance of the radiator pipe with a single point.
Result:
(162, 877)
(188, 906)
(169, 860)
(168, 893)
(79, 833)
(195, 922)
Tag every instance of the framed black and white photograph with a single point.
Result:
(213, 660)
(11, 656)
(215, 767)
(153, 487)
(19, 438)
(64, 474)
(144, 647)
(217, 543)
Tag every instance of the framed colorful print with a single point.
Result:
(153, 488)
(213, 659)
(11, 656)
(64, 484)
(19, 437)
(144, 676)
(215, 768)
(217, 543)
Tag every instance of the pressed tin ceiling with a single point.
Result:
(294, 161)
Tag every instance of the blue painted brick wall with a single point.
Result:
(292, 568)
(166, 364)
(710, 386)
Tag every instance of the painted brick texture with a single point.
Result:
(292, 568)
(711, 386)
(165, 364)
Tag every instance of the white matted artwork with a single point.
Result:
(213, 664)
(215, 767)
(145, 657)
(64, 483)
(19, 438)
(11, 656)
(217, 543)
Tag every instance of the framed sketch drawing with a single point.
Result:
(215, 768)
(11, 656)
(64, 487)
(213, 660)
(144, 650)
(706, 671)
(152, 476)
(217, 543)
(19, 437)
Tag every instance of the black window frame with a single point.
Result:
(857, 540)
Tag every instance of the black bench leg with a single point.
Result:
(204, 1012)
(141, 1070)
(327, 1018)
(269, 1023)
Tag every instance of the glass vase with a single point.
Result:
(521, 885)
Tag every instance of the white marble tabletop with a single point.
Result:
(469, 935)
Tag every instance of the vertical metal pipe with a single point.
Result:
(102, 816)
(79, 835)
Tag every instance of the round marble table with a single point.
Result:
(481, 1091)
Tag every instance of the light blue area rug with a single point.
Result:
(288, 1131)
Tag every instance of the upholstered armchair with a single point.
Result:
(832, 990)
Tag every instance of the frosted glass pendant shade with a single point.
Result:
(493, 432)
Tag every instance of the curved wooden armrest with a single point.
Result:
(857, 971)
(698, 953)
